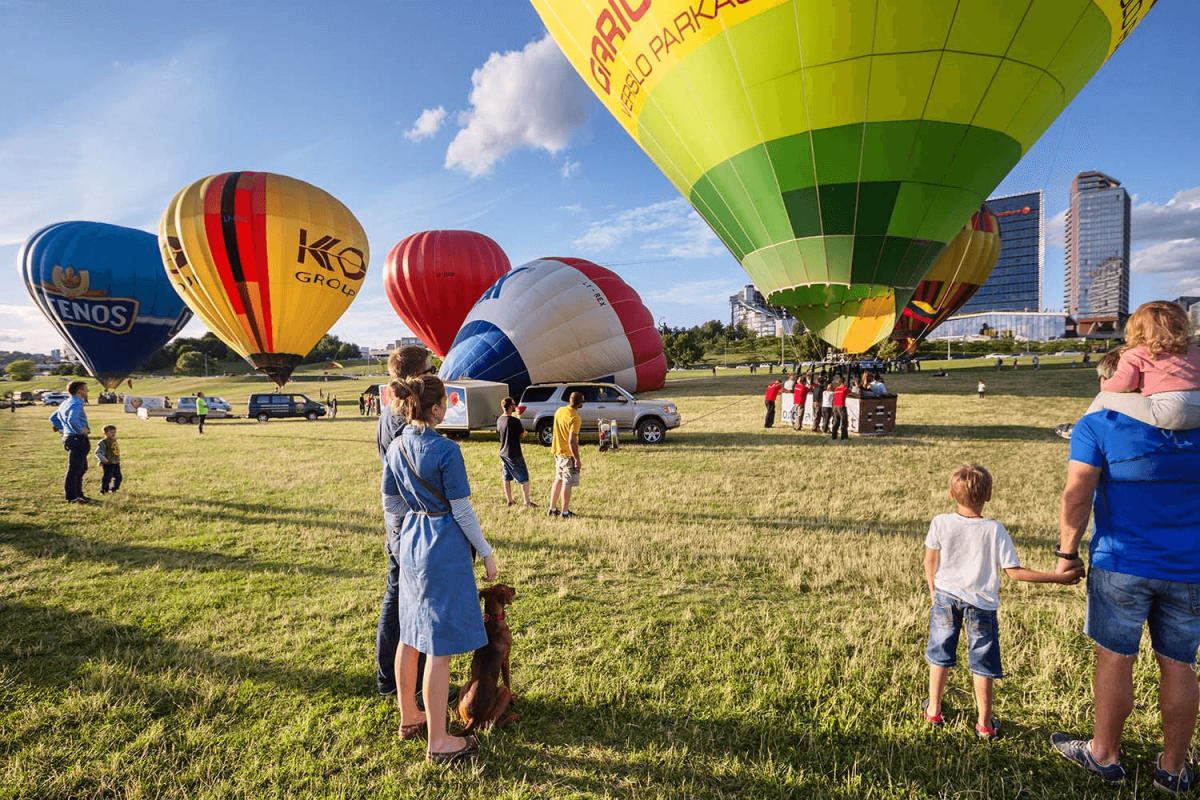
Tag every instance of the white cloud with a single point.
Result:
(26, 329)
(429, 123)
(526, 98)
(670, 229)
(1056, 230)
(1178, 218)
(574, 208)
(1177, 255)
(570, 169)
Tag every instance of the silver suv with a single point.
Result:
(650, 419)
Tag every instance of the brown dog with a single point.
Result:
(483, 700)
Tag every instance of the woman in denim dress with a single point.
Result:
(425, 485)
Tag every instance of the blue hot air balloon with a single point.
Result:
(104, 290)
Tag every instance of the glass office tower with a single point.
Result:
(1016, 282)
(1097, 243)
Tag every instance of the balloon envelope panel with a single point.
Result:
(267, 261)
(559, 319)
(433, 278)
(837, 147)
(961, 269)
(103, 289)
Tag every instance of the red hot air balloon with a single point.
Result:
(433, 279)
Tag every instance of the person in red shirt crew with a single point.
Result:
(841, 420)
(799, 395)
(773, 390)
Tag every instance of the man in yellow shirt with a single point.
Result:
(567, 463)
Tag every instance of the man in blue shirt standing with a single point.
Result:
(1144, 485)
(71, 421)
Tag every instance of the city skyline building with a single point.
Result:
(1016, 282)
(1096, 284)
(750, 307)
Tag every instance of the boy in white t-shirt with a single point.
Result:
(964, 553)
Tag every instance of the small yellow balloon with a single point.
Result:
(268, 262)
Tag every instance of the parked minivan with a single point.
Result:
(265, 406)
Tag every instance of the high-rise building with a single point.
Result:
(1097, 244)
(1016, 282)
(749, 307)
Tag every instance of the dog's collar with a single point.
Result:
(489, 617)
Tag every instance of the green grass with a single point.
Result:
(736, 613)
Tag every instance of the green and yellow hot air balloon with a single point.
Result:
(837, 146)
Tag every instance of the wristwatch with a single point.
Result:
(1068, 556)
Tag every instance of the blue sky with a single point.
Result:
(426, 114)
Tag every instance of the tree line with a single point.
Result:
(191, 356)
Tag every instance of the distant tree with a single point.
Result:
(65, 368)
(21, 369)
(348, 351)
(888, 349)
(711, 332)
(809, 348)
(325, 350)
(682, 349)
(79, 371)
(213, 346)
(190, 363)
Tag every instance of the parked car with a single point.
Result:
(54, 398)
(269, 406)
(185, 411)
(648, 419)
(218, 404)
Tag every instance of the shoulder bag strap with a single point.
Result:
(417, 475)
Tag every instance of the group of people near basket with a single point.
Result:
(828, 391)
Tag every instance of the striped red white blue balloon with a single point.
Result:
(559, 319)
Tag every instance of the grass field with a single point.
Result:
(735, 613)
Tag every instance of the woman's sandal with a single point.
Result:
(417, 730)
(469, 749)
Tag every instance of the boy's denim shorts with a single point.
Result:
(514, 469)
(1119, 604)
(983, 636)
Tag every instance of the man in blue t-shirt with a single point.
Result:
(1144, 484)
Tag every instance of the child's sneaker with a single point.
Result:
(552, 512)
(1171, 782)
(934, 720)
(989, 732)
(1080, 751)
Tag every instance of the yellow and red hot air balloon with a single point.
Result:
(958, 273)
(837, 146)
(268, 262)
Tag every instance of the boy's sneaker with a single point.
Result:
(935, 721)
(568, 515)
(552, 512)
(1170, 782)
(1080, 751)
(989, 732)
